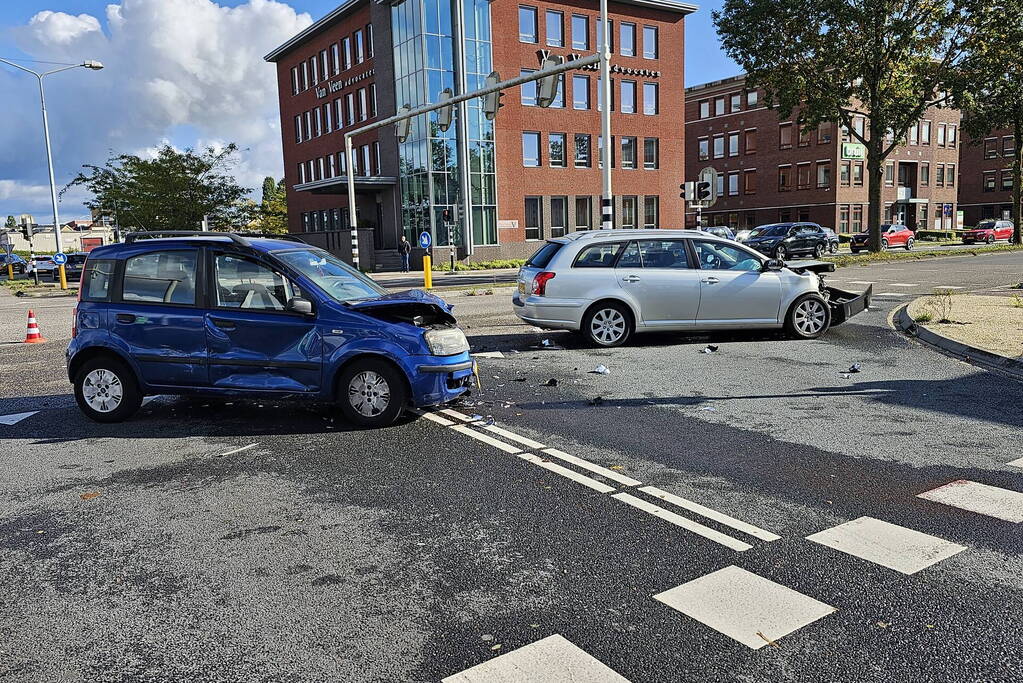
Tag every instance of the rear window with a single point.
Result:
(543, 255)
(597, 255)
(166, 277)
(96, 280)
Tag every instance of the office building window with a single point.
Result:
(360, 51)
(376, 158)
(950, 175)
(305, 75)
(913, 135)
(301, 175)
(751, 141)
(939, 175)
(331, 169)
(559, 94)
(858, 126)
(328, 118)
(346, 52)
(785, 136)
(857, 218)
(889, 173)
(705, 109)
(843, 174)
(1006, 181)
(925, 174)
(321, 166)
(941, 135)
(559, 216)
(627, 47)
(628, 97)
(951, 140)
(628, 159)
(527, 25)
(527, 91)
(530, 149)
(365, 159)
(734, 102)
(534, 219)
(719, 106)
(580, 91)
(372, 99)
(556, 150)
(649, 42)
(582, 150)
(363, 105)
(315, 68)
(784, 178)
(925, 132)
(990, 148)
(804, 137)
(751, 99)
(308, 125)
(298, 128)
(749, 181)
(721, 184)
(1008, 145)
(583, 213)
(733, 144)
(580, 32)
(843, 219)
(651, 211)
(824, 131)
(858, 174)
(350, 109)
(369, 40)
(650, 97)
(803, 176)
(719, 146)
(629, 208)
(610, 35)
(651, 153)
(733, 184)
(824, 174)
(317, 123)
(294, 80)
(324, 64)
(555, 36)
(989, 181)
(703, 149)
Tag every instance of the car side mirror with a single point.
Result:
(300, 305)
(774, 264)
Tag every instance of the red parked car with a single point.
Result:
(892, 235)
(988, 231)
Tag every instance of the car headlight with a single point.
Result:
(446, 342)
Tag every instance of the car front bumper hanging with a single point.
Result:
(845, 305)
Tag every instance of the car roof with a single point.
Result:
(593, 235)
(260, 243)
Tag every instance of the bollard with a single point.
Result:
(427, 272)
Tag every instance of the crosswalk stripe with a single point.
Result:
(489, 440)
(719, 517)
(685, 523)
(887, 544)
(457, 415)
(567, 473)
(553, 659)
(980, 498)
(596, 469)
(434, 417)
(512, 436)
(1016, 463)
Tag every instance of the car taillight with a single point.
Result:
(540, 282)
(74, 321)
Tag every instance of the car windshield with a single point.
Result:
(770, 230)
(985, 225)
(335, 277)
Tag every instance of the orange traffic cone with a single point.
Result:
(33, 336)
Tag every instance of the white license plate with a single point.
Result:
(522, 288)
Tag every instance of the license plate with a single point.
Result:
(522, 288)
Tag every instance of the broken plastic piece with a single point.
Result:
(601, 370)
(550, 383)
(709, 348)
(855, 367)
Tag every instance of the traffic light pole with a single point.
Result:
(607, 199)
(699, 216)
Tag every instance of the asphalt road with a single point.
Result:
(264, 542)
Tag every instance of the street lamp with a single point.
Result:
(88, 64)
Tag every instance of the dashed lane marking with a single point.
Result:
(596, 469)
(567, 473)
(457, 415)
(1016, 463)
(685, 523)
(512, 436)
(892, 294)
(860, 282)
(947, 287)
(15, 418)
(239, 450)
(489, 440)
(745, 607)
(886, 544)
(718, 517)
(551, 660)
(903, 284)
(980, 498)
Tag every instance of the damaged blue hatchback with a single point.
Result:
(234, 315)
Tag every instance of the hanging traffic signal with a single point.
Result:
(703, 191)
(404, 127)
(444, 113)
(547, 90)
(492, 102)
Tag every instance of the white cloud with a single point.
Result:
(189, 65)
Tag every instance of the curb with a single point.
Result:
(971, 354)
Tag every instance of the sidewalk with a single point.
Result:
(464, 278)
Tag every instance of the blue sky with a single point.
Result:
(186, 99)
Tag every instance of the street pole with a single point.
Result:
(350, 172)
(607, 200)
(94, 65)
(462, 123)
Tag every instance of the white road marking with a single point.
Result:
(685, 523)
(457, 415)
(903, 284)
(1016, 463)
(860, 282)
(719, 517)
(512, 436)
(488, 354)
(980, 498)
(596, 469)
(433, 417)
(892, 294)
(551, 660)
(948, 287)
(567, 473)
(15, 418)
(886, 544)
(489, 440)
(745, 607)
(239, 450)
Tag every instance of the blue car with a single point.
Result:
(14, 261)
(234, 315)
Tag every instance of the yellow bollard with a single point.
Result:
(63, 277)
(10, 271)
(427, 271)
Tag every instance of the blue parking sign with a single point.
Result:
(425, 240)
(60, 258)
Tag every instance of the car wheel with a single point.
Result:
(990, 239)
(833, 247)
(809, 317)
(884, 244)
(372, 393)
(779, 252)
(818, 251)
(608, 324)
(909, 244)
(106, 390)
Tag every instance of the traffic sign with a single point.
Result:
(6, 243)
(425, 239)
(60, 258)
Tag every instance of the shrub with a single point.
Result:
(923, 317)
(941, 304)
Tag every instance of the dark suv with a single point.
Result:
(249, 316)
(782, 240)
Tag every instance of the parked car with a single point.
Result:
(783, 240)
(833, 241)
(72, 268)
(41, 264)
(229, 315)
(892, 235)
(608, 285)
(16, 262)
(742, 235)
(719, 231)
(988, 231)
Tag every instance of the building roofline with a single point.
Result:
(732, 80)
(684, 8)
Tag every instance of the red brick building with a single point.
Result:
(769, 171)
(530, 174)
(985, 177)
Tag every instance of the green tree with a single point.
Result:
(888, 60)
(11, 224)
(172, 191)
(273, 209)
(990, 88)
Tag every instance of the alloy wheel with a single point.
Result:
(102, 390)
(369, 393)
(809, 316)
(608, 326)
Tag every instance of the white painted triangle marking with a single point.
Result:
(15, 418)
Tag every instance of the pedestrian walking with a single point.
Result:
(405, 251)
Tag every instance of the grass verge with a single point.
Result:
(887, 256)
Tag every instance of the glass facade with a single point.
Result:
(429, 161)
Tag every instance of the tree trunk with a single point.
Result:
(1017, 172)
(875, 181)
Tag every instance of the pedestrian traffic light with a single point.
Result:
(547, 90)
(404, 127)
(444, 113)
(492, 102)
(703, 191)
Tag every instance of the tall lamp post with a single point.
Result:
(88, 64)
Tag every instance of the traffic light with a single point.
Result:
(26, 230)
(446, 215)
(404, 127)
(688, 191)
(703, 191)
(492, 102)
(547, 90)
(444, 113)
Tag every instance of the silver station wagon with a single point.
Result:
(609, 284)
